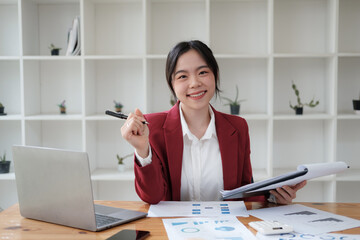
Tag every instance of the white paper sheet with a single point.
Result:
(197, 209)
(313, 171)
(306, 219)
(207, 229)
(302, 236)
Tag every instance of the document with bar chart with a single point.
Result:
(197, 209)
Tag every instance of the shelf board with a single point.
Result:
(254, 116)
(5, 58)
(100, 116)
(54, 117)
(7, 176)
(303, 55)
(52, 58)
(310, 116)
(108, 174)
(349, 54)
(10, 117)
(246, 56)
(156, 56)
(112, 57)
(349, 116)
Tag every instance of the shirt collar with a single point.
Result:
(210, 131)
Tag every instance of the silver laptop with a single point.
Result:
(54, 186)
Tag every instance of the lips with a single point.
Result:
(196, 95)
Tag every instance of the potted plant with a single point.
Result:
(299, 106)
(54, 50)
(118, 106)
(356, 105)
(62, 107)
(4, 164)
(234, 104)
(121, 165)
(2, 109)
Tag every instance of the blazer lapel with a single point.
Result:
(229, 147)
(174, 148)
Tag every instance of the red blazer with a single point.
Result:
(161, 180)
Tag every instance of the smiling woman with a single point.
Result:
(192, 151)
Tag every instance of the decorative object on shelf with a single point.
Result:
(356, 105)
(299, 106)
(118, 106)
(4, 164)
(62, 107)
(54, 50)
(172, 100)
(73, 42)
(234, 104)
(121, 165)
(2, 108)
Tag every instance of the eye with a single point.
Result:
(204, 72)
(181, 77)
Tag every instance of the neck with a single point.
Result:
(197, 120)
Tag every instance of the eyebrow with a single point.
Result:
(198, 68)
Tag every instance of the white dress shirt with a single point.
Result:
(201, 173)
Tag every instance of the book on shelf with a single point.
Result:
(303, 172)
(74, 47)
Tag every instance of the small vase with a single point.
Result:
(118, 109)
(121, 167)
(62, 110)
(55, 52)
(235, 109)
(4, 166)
(356, 105)
(299, 111)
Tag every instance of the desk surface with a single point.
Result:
(14, 226)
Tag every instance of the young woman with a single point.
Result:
(192, 151)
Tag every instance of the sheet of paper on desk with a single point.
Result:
(306, 219)
(207, 228)
(197, 209)
(296, 236)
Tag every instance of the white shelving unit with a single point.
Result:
(261, 46)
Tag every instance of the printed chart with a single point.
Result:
(302, 236)
(305, 219)
(197, 209)
(228, 228)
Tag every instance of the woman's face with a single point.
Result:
(193, 81)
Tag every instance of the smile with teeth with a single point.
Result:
(197, 94)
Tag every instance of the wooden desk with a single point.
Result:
(14, 226)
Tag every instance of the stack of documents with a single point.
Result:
(304, 172)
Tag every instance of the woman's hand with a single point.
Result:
(286, 194)
(136, 133)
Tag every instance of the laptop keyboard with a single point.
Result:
(102, 220)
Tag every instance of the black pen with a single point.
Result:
(120, 115)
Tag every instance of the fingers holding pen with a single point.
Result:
(135, 124)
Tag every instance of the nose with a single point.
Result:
(194, 82)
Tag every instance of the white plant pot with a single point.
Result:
(121, 167)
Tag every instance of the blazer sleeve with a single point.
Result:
(152, 182)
